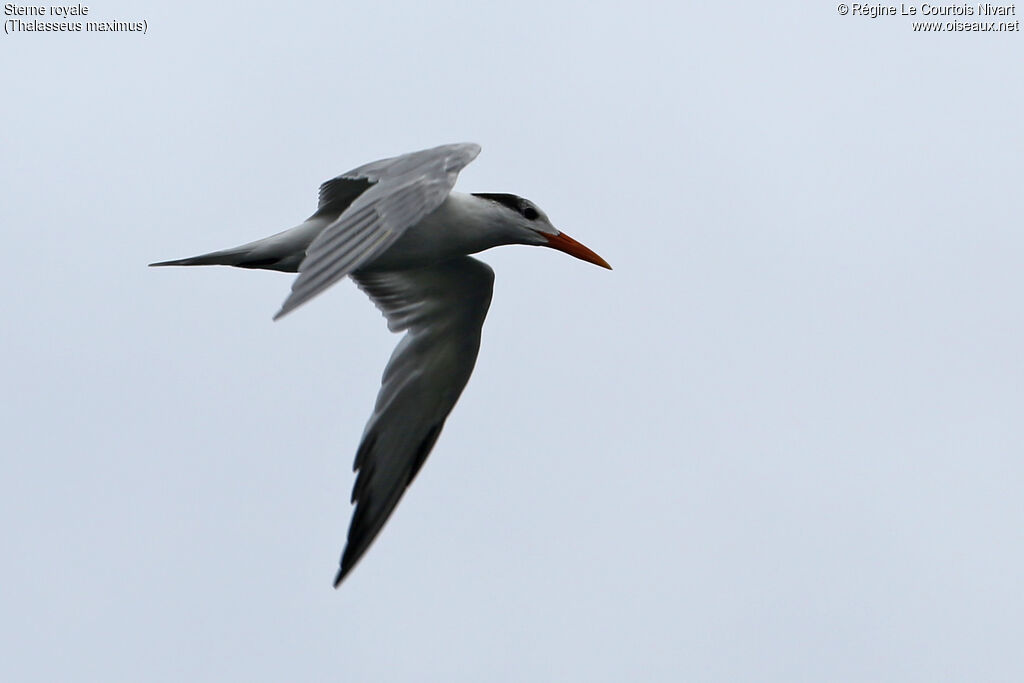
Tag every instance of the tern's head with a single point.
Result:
(527, 224)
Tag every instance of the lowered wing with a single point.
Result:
(441, 308)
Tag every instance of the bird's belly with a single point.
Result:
(413, 249)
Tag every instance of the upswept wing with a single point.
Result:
(402, 191)
(442, 309)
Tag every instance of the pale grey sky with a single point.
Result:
(781, 441)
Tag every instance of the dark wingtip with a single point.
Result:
(340, 576)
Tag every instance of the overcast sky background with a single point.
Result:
(781, 441)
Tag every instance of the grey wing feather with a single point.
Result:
(337, 194)
(393, 194)
(441, 308)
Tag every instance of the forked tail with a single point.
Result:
(239, 256)
(283, 251)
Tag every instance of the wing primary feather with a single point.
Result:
(424, 450)
(361, 481)
(365, 447)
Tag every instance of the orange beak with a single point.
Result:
(563, 242)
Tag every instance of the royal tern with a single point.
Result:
(396, 228)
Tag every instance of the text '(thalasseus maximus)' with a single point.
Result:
(396, 228)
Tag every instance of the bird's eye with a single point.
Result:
(530, 213)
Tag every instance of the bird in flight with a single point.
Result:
(399, 231)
